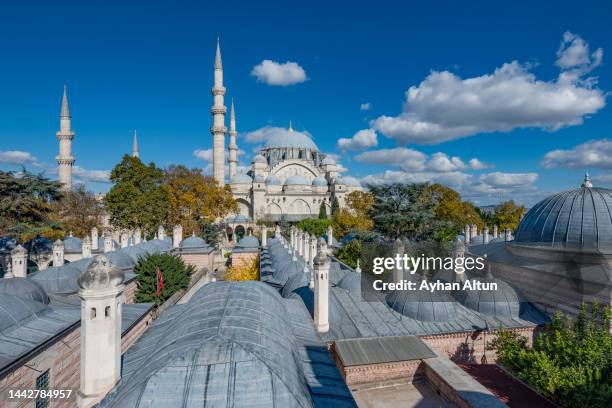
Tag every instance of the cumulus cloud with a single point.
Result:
(445, 106)
(361, 140)
(592, 154)
(499, 179)
(90, 176)
(410, 159)
(18, 157)
(279, 74)
(365, 106)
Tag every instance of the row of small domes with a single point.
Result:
(295, 180)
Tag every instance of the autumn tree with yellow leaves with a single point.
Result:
(355, 216)
(243, 271)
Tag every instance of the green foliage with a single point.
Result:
(26, 201)
(452, 211)
(317, 226)
(350, 252)
(211, 233)
(335, 206)
(137, 199)
(176, 276)
(508, 215)
(79, 211)
(322, 211)
(405, 211)
(570, 362)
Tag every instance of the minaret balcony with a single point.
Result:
(218, 90)
(64, 136)
(218, 129)
(218, 110)
(65, 160)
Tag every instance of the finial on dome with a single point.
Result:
(587, 181)
(290, 126)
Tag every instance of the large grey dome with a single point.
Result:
(579, 219)
(290, 139)
(24, 288)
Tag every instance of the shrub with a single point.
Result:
(318, 226)
(175, 274)
(570, 362)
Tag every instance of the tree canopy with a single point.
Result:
(508, 215)
(195, 197)
(79, 211)
(138, 199)
(355, 217)
(175, 275)
(26, 205)
(317, 227)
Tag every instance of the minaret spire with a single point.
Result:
(135, 145)
(218, 111)
(65, 159)
(233, 147)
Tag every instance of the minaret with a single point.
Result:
(218, 129)
(135, 146)
(65, 159)
(233, 147)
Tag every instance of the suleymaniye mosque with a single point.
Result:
(300, 334)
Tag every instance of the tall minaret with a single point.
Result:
(65, 159)
(218, 129)
(233, 147)
(135, 146)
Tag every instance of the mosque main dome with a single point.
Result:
(578, 219)
(290, 139)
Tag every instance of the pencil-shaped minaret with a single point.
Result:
(218, 129)
(65, 159)
(233, 147)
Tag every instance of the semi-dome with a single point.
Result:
(290, 139)
(24, 288)
(319, 181)
(423, 305)
(328, 161)
(296, 181)
(241, 179)
(260, 159)
(73, 245)
(578, 219)
(272, 180)
(193, 242)
(505, 301)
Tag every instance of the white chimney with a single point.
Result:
(321, 289)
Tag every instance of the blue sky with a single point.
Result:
(149, 66)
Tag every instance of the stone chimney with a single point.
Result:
(312, 254)
(485, 235)
(124, 238)
(466, 233)
(398, 249)
(94, 239)
(101, 293)
(8, 273)
(177, 235)
(300, 243)
(495, 231)
(321, 289)
(19, 259)
(86, 247)
(330, 236)
(58, 253)
(305, 248)
(264, 236)
(474, 232)
(108, 242)
(358, 268)
(161, 233)
(507, 234)
(137, 236)
(292, 237)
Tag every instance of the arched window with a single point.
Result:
(92, 313)
(107, 311)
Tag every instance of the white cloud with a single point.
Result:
(361, 140)
(92, 176)
(605, 179)
(498, 179)
(274, 73)
(365, 106)
(203, 154)
(592, 154)
(18, 157)
(411, 160)
(445, 107)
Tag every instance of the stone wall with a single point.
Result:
(243, 258)
(199, 260)
(129, 292)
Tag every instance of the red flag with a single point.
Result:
(160, 281)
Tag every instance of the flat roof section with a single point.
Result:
(376, 350)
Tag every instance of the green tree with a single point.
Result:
(175, 274)
(350, 253)
(570, 362)
(335, 206)
(317, 226)
(78, 211)
(404, 211)
(211, 233)
(508, 215)
(194, 197)
(355, 217)
(322, 211)
(451, 209)
(26, 205)
(137, 199)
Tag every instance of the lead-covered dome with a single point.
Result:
(319, 181)
(272, 180)
(290, 139)
(578, 219)
(296, 181)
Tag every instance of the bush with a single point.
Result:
(350, 253)
(318, 226)
(243, 272)
(570, 363)
(175, 274)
